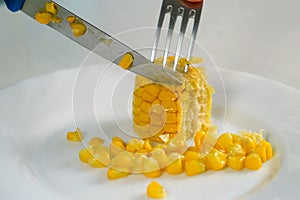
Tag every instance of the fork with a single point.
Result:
(187, 11)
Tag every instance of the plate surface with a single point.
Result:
(37, 160)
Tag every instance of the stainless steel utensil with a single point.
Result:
(94, 37)
(177, 8)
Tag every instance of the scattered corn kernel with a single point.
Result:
(191, 155)
(253, 161)
(113, 174)
(51, 8)
(126, 61)
(269, 149)
(71, 19)
(236, 162)
(134, 145)
(193, 167)
(96, 141)
(117, 146)
(160, 156)
(78, 28)
(175, 165)
(151, 168)
(217, 159)
(236, 150)
(122, 161)
(43, 17)
(85, 154)
(155, 190)
(224, 141)
(75, 136)
(102, 155)
(261, 151)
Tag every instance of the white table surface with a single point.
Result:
(260, 37)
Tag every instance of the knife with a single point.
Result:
(94, 38)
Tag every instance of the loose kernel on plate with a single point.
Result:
(193, 167)
(96, 141)
(155, 190)
(75, 136)
(113, 174)
(85, 154)
(253, 161)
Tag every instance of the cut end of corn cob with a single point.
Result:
(161, 112)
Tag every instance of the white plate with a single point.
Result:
(37, 161)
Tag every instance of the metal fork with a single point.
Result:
(187, 11)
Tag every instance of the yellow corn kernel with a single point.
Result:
(191, 155)
(100, 149)
(51, 8)
(192, 148)
(96, 141)
(147, 146)
(43, 17)
(78, 29)
(198, 139)
(193, 97)
(253, 161)
(137, 163)
(117, 146)
(206, 161)
(152, 89)
(102, 155)
(71, 19)
(96, 163)
(148, 97)
(85, 154)
(175, 164)
(217, 159)
(75, 136)
(126, 61)
(122, 161)
(155, 190)
(224, 141)
(249, 144)
(169, 106)
(145, 107)
(236, 162)
(151, 168)
(193, 167)
(113, 174)
(56, 19)
(236, 138)
(261, 151)
(269, 149)
(167, 95)
(236, 150)
(134, 145)
(160, 156)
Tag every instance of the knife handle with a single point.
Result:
(14, 5)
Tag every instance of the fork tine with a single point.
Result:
(196, 16)
(173, 18)
(163, 11)
(184, 22)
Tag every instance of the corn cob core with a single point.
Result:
(161, 112)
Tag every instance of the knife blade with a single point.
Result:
(94, 40)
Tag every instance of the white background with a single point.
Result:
(257, 36)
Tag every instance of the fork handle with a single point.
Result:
(14, 5)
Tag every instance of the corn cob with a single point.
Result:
(161, 112)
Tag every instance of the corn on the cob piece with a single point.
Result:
(161, 112)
